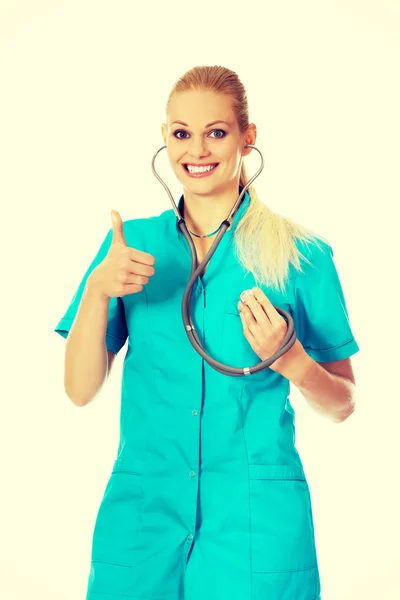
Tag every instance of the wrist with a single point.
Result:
(93, 290)
(294, 364)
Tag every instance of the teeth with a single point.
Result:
(192, 169)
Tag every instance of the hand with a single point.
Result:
(125, 270)
(264, 328)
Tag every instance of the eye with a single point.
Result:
(179, 131)
(221, 130)
(212, 131)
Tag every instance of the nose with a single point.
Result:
(198, 148)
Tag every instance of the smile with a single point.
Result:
(202, 171)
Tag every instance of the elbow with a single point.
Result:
(349, 406)
(75, 398)
(343, 416)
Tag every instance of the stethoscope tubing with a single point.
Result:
(290, 336)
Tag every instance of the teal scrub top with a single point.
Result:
(207, 497)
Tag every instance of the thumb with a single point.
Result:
(117, 228)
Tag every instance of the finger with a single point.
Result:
(137, 268)
(259, 323)
(267, 327)
(251, 328)
(267, 306)
(117, 229)
(258, 312)
(141, 257)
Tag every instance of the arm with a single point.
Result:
(329, 387)
(331, 393)
(86, 357)
(323, 372)
(95, 328)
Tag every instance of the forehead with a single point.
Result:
(200, 107)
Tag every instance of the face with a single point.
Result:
(201, 143)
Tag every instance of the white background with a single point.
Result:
(83, 90)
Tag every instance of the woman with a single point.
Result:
(208, 497)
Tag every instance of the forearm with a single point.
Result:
(329, 394)
(86, 360)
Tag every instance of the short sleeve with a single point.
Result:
(320, 313)
(116, 333)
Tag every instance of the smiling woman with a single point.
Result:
(208, 497)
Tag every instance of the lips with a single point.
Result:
(200, 174)
(200, 165)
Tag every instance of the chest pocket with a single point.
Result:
(237, 351)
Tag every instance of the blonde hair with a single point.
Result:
(265, 240)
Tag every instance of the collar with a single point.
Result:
(239, 214)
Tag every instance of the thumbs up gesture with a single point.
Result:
(124, 270)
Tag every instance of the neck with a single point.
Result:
(204, 213)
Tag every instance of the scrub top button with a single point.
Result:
(192, 474)
(190, 536)
(194, 412)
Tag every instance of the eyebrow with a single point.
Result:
(208, 124)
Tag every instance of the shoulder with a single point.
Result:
(314, 252)
(315, 257)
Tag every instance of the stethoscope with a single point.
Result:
(290, 336)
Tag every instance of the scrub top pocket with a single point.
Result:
(118, 517)
(282, 531)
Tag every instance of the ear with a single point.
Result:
(250, 138)
(164, 132)
(246, 151)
